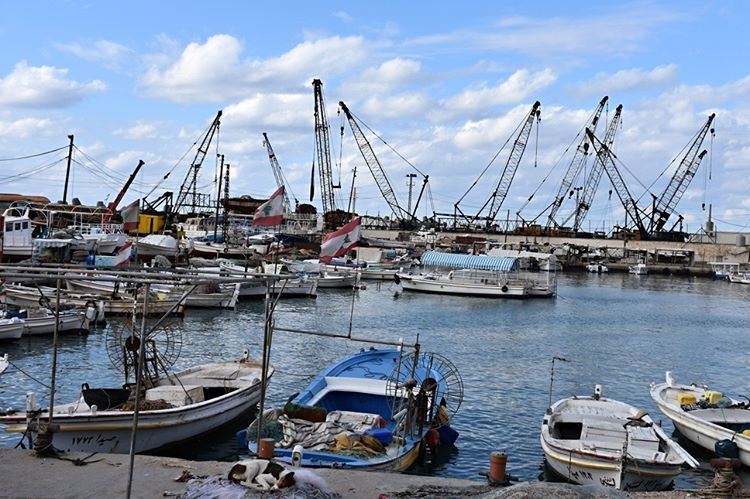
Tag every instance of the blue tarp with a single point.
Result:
(475, 262)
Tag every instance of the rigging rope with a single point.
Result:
(29, 173)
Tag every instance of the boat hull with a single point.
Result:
(447, 288)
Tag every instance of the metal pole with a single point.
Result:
(54, 353)
(138, 381)
(218, 197)
(264, 365)
(67, 171)
(411, 177)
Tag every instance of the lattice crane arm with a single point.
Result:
(511, 166)
(190, 183)
(276, 167)
(323, 149)
(576, 164)
(666, 203)
(368, 154)
(605, 158)
(595, 174)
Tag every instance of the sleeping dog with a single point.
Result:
(261, 474)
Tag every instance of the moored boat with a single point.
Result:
(639, 268)
(596, 440)
(597, 268)
(11, 329)
(190, 403)
(465, 282)
(706, 417)
(4, 363)
(368, 411)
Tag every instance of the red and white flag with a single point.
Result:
(272, 211)
(337, 243)
(130, 215)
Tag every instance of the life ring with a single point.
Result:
(450, 275)
(504, 288)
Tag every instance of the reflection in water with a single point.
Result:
(619, 330)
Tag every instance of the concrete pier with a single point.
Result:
(105, 475)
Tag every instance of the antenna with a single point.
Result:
(551, 380)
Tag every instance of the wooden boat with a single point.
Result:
(739, 278)
(200, 400)
(225, 296)
(703, 416)
(595, 440)
(363, 395)
(4, 363)
(42, 321)
(597, 268)
(465, 282)
(254, 287)
(11, 329)
(157, 244)
(326, 280)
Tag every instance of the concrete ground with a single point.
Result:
(106, 475)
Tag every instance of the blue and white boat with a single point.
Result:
(372, 410)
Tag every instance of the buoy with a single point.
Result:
(265, 448)
(498, 462)
(432, 438)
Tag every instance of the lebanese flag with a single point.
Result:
(339, 242)
(130, 215)
(272, 211)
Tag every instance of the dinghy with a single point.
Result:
(705, 417)
(364, 412)
(595, 440)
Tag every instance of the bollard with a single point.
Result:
(498, 461)
(265, 448)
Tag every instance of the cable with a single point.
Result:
(34, 155)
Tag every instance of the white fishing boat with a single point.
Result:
(4, 363)
(595, 440)
(723, 270)
(331, 280)
(639, 268)
(740, 278)
(17, 240)
(550, 265)
(11, 329)
(42, 321)
(157, 244)
(191, 403)
(465, 282)
(705, 417)
(204, 296)
(597, 268)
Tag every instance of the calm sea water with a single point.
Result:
(618, 330)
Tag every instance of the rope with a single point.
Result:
(28, 375)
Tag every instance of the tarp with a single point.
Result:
(475, 262)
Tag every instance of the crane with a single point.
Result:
(113, 205)
(497, 197)
(190, 184)
(595, 175)
(323, 150)
(381, 179)
(605, 158)
(666, 203)
(576, 164)
(277, 174)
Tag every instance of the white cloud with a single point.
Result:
(127, 160)
(397, 105)
(343, 16)
(43, 86)
(519, 86)
(140, 130)
(25, 128)
(270, 110)
(629, 79)
(215, 70)
(106, 52)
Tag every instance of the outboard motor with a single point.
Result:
(727, 448)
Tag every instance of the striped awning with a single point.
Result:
(475, 262)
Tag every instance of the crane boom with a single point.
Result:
(576, 165)
(374, 165)
(323, 149)
(595, 175)
(681, 179)
(276, 167)
(190, 184)
(516, 153)
(605, 158)
(113, 205)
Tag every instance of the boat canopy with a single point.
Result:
(474, 262)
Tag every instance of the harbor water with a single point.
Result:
(618, 330)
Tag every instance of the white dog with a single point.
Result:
(261, 474)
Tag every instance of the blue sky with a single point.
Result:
(445, 84)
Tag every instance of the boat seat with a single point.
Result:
(602, 434)
(176, 395)
(643, 442)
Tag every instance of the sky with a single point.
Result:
(443, 84)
